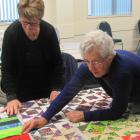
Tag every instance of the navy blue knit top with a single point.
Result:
(121, 83)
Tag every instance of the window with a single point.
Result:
(8, 10)
(109, 7)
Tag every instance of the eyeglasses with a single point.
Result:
(31, 24)
(94, 63)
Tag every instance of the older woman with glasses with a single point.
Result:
(32, 66)
(118, 72)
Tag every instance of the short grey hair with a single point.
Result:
(100, 40)
(31, 8)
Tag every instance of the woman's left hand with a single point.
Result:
(75, 116)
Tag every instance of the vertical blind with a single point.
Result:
(8, 10)
(109, 7)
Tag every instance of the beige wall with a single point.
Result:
(70, 17)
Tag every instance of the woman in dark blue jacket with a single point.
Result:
(118, 72)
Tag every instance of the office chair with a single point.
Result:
(70, 65)
(105, 26)
(138, 45)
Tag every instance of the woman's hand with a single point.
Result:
(33, 124)
(12, 107)
(75, 116)
(53, 95)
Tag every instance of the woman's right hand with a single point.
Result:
(12, 107)
(33, 124)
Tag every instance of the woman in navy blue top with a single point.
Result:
(118, 72)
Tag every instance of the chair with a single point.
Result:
(138, 45)
(105, 26)
(70, 65)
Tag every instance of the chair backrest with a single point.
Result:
(70, 64)
(139, 26)
(104, 26)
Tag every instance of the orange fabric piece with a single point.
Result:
(20, 137)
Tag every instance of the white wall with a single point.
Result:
(50, 11)
(71, 19)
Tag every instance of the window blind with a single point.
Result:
(109, 7)
(8, 10)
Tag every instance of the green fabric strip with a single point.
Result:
(8, 119)
(10, 132)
